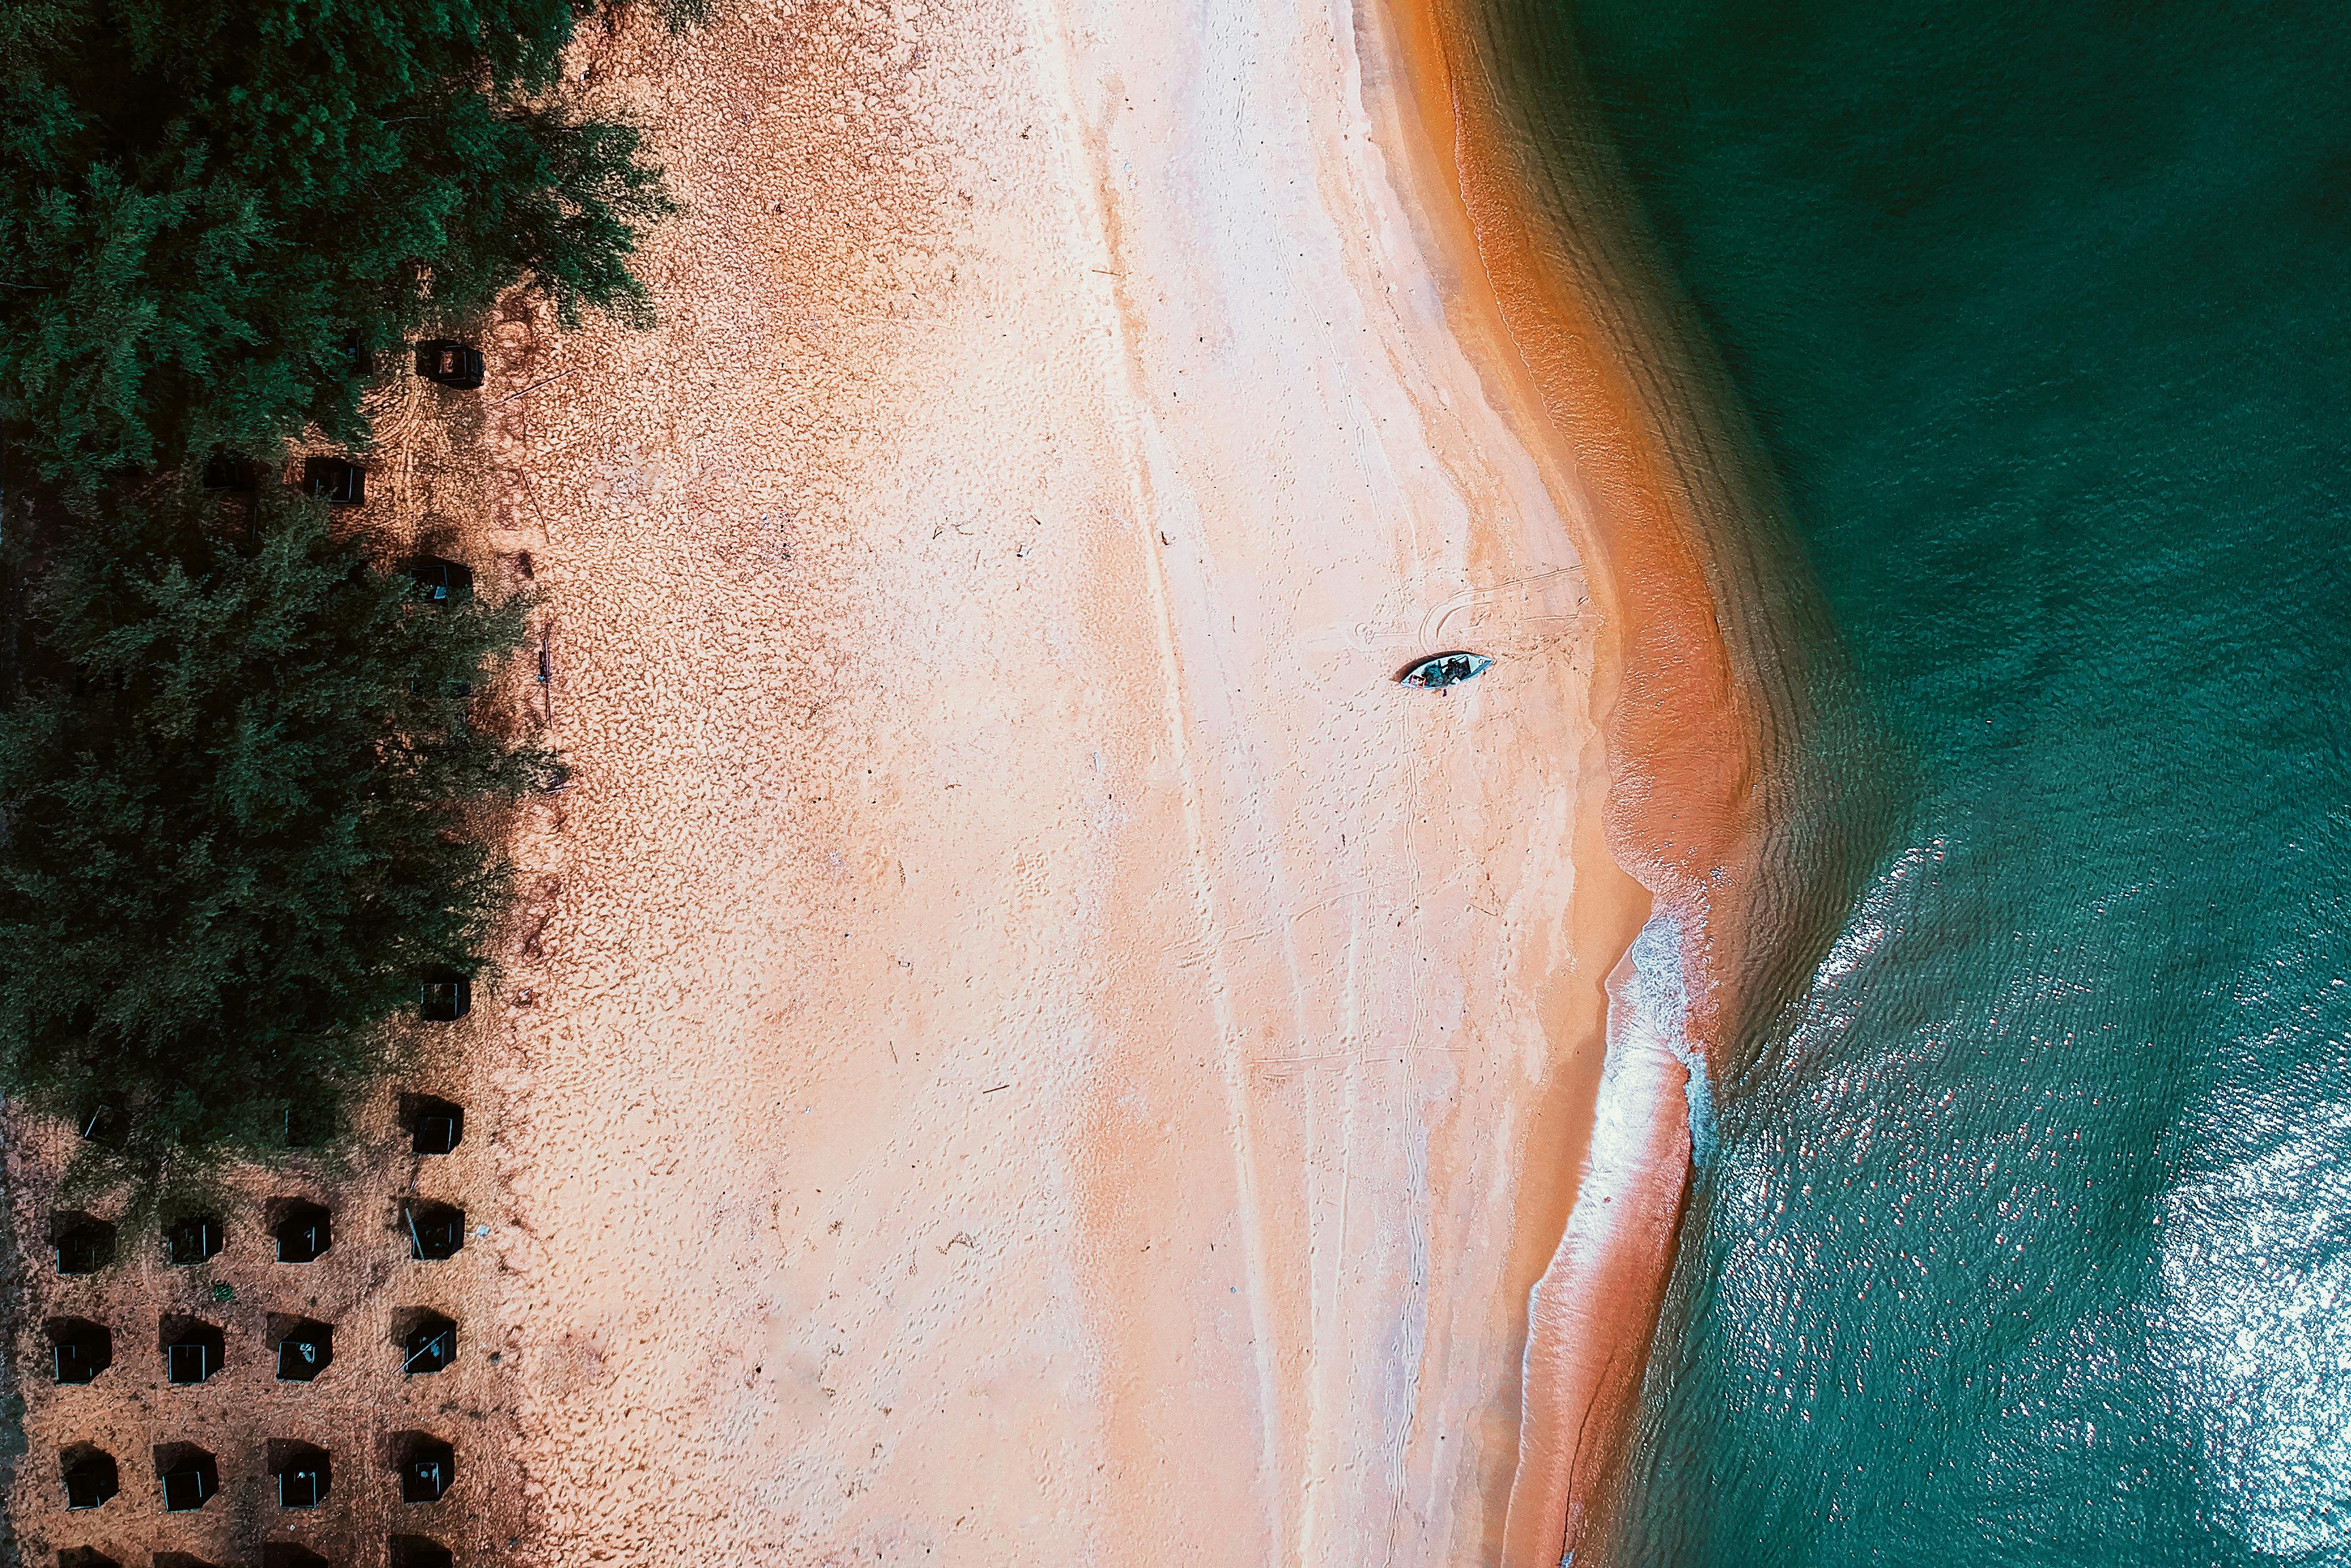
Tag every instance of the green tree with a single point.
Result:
(240, 798)
(201, 203)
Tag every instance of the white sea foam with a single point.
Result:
(1655, 998)
(1576, 1303)
(1648, 1012)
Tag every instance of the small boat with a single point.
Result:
(1444, 669)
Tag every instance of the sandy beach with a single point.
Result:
(1022, 1043)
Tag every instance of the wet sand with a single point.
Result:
(1025, 1045)
(1686, 666)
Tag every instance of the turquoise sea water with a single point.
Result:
(2029, 1236)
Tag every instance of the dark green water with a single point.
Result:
(2029, 1236)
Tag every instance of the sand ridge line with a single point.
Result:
(1098, 224)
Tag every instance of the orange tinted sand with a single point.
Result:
(1685, 737)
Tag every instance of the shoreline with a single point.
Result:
(1681, 822)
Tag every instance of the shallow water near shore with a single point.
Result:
(2027, 1238)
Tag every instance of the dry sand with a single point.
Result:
(1026, 1044)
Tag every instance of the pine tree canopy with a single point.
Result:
(201, 203)
(239, 798)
